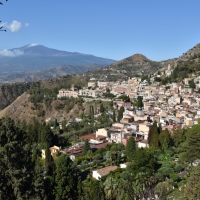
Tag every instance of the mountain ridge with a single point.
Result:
(38, 57)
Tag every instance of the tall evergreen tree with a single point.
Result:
(55, 125)
(130, 149)
(47, 136)
(114, 116)
(120, 113)
(49, 162)
(139, 102)
(39, 181)
(65, 179)
(15, 167)
(153, 136)
(159, 128)
(86, 147)
(102, 109)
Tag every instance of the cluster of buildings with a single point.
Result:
(174, 105)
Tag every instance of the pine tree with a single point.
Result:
(130, 149)
(65, 179)
(153, 136)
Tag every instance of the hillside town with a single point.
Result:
(173, 106)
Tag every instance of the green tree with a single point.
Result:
(46, 135)
(139, 102)
(90, 157)
(55, 124)
(39, 181)
(130, 149)
(114, 153)
(179, 136)
(16, 169)
(49, 163)
(153, 136)
(86, 147)
(114, 116)
(124, 98)
(120, 113)
(192, 84)
(192, 145)
(144, 162)
(164, 139)
(192, 188)
(94, 189)
(65, 179)
(102, 109)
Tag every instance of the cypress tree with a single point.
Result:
(39, 181)
(120, 113)
(102, 108)
(47, 136)
(159, 128)
(49, 162)
(130, 149)
(65, 179)
(55, 124)
(153, 136)
(114, 116)
(139, 102)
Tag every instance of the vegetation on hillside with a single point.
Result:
(169, 172)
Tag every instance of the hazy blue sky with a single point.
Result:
(159, 29)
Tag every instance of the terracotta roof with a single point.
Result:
(106, 170)
(99, 146)
(88, 136)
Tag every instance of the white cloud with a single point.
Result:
(27, 24)
(13, 53)
(15, 26)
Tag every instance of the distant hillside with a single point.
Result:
(37, 57)
(136, 64)
(133, 65)
(48, 87)
(23, 109)
(49, 73)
